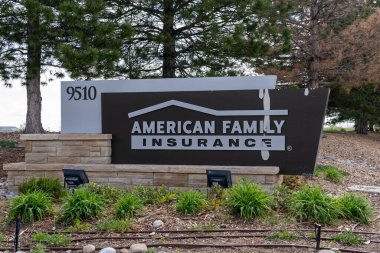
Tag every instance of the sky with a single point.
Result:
(13, 105)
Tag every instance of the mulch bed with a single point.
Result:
(10, 155)
(356, 154)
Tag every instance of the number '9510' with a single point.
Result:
(81, 93)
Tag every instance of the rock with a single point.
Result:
(89, 248)
(161, 251)
(124, 251)
(138, 248)
(223, 226)
(365, 188)
(325, 251)
(153, 233)
(157, 224)
(20, 251)
(330, 158)
(107, 250)
(10, 195)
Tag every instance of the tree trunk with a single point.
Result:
(169, 54)
(314, 62)
(361, 124)
(33, 65)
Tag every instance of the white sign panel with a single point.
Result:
(81, 100)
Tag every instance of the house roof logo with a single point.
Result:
(206, 110)
(265, 113)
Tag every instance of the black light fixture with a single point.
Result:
(219, 177)
(73, 178)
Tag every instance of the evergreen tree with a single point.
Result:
(314, 24)
(201, 37)
(356, 61)
(44, 35)
(360, 104)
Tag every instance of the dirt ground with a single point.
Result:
(358, 155)
(10, 155)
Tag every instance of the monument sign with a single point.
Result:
(234, 121)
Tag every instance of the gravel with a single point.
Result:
(3, 187)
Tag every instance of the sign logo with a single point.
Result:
(249, 135)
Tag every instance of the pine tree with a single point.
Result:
(200, 38)
(359, 104)
(356, 61)
(41, 35)
(313, 23)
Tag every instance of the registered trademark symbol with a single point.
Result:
(289, 148)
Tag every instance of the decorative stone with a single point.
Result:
(89, 248)
(365, 188)
(124, 251)
(138, 248)
(107, 250)
(325, 251)
(157, 224)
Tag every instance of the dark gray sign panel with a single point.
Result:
(240, 128)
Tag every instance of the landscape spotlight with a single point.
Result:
(219, 177)
(74, 178)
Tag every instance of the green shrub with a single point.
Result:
(154, 195)
(128, 206)
(82, 204)
(216, 196)
(190, 202)
(330, 173)
(283, 235)
(7, 144)
(205, 227)
(333, 175)
(310, 203)
(293, 182)
(281, 196)
(348, 238)
(107, 192)
(78, 226)
(2, 238)
(248, 199)
(356, 208)
(30, 207)
(51, 239)
(50, 186)
(39, 248)
(115, 225)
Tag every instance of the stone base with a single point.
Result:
(120, 175)
(47, 154)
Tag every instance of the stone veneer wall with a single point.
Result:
(47, 154)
